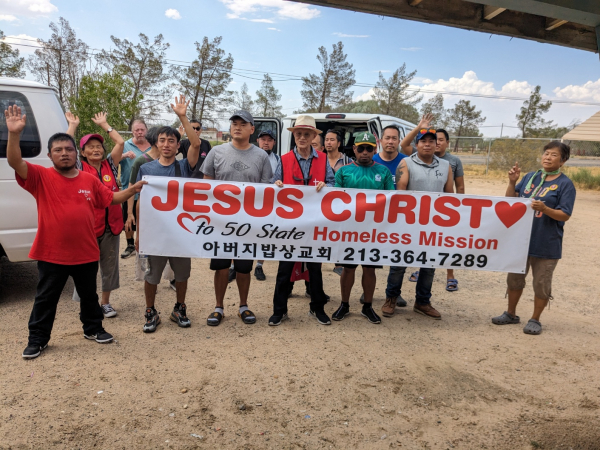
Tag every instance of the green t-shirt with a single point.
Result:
(375, 176)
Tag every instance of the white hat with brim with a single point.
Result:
(305, 123)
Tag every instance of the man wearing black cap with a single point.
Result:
(243, 162)
(205, 147)
(266, 141)
(422, 171)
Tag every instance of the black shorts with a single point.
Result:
(354, 266)
(240, 265)
(124, 208)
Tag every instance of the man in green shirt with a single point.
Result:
(363, 173)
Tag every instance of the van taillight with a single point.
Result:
(335, 116)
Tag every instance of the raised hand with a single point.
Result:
(15, 122)
(426, 120)
(181, 130)
(180, 106)
(515, 173)
(100, 119)
(72, 119)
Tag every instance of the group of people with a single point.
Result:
(82, 194)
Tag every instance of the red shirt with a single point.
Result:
(66, 215)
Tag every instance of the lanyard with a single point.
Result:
(310, 159)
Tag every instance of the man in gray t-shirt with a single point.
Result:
(243, 162)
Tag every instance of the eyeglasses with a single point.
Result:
(365, 148)
(197, 128)
(427, 130)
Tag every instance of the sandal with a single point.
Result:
(452, 285)
(414, 277)
(533, 327)
(247, 317)
(505, 319)
(214, 319)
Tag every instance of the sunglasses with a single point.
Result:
(365, 148)
(197, 128)
(427, 130)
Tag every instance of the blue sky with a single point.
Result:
(283, 37)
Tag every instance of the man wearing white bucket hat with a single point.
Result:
(304, 166)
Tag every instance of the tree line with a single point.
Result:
(133, 79)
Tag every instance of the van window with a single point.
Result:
(30, 137)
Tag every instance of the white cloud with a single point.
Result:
(364, 97)
(173, 14)
(411, 49)
(343, 35)
(27, 8)
(262, 20)
(283, 9)
(589, 91)
(29, 43)
(274, 29)
(7, 17)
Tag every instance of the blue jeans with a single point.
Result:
(424, 283)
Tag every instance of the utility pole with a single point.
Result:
(501, 130)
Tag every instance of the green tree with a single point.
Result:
(530, 115)
(61, 61)
(330, 87)
(143, 65)
(11, 65)
(464, 120)
(393, 96)
(205, 82)
(435, 106)
(267, 99)
(111, 92)
(243, 100)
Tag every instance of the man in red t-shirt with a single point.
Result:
(66, 199)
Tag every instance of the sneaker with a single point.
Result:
(338, 270)
(427, 310)
(321, 317)
(102, 337)
(232, 274)
(172, 285)
(33, 351)
(152, 320)
(259, 274)
(401, 302)
(389, 307)
(108, 310)
(129, 251)
(341, 312)
(371, 316)
(178, 315)
(276, 320)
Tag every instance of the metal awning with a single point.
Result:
(587, 131)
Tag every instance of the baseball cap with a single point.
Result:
(266, 133)
(364, 137)
(244, 115)
(424, 132)
(84, 140)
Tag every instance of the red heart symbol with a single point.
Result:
(182, 216)
(510, 214)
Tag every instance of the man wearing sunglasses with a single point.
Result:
(303, 166)
(205, 147)
(362, 174)
(422, 171)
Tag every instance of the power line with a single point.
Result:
(297, 78)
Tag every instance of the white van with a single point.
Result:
(347, 124)
(18, 211)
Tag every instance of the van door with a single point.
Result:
(267, 123)
(375, 128)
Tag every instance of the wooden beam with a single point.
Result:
(414, 2)
(489, 12)
(552, 24)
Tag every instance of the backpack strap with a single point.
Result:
(177, 169)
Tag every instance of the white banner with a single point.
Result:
(215, 219)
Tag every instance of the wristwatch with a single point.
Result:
(109, 129)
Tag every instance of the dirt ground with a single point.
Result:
(410, 382)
